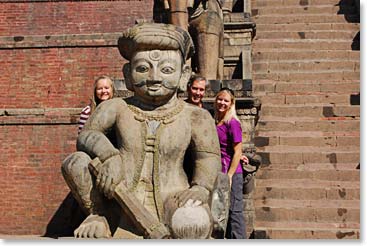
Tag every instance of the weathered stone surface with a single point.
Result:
(306, 193)
(299, 173)
(314, 214)
(142, 167)
(303, 124)
(205, 23)
(307, 234)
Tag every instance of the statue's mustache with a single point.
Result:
(148, 83)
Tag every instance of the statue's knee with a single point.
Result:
(208, 22)
(191, 223)
(75, 163)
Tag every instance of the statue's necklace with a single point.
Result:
(164, 116)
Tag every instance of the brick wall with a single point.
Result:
(50, 54)
(19, 18)
(32, 187)
(54, 77)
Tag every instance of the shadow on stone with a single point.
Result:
(356, 42)
(259, 234)
(354, 99)
(328, 111)
(350, 10)
(66, 219)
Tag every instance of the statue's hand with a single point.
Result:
(196, 196)
(109, 175)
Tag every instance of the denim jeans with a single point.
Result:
(236, 228)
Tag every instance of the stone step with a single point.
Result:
(322, 166)
(308, 27)
(306, 150)
(301, 76)
(306, 193)
(332, 98)
(309, 140)
(304, 3)
(301, 10)
(306, 183)
(24, 237)
(270, 86)
(297, 66)
(306, 203)
(305, 18)
(305, 156)
(312, 34)
(355, 133)
(295, 174)
(306, 98)
(307, 160)
(307, 124)
(311, 110)
(306, 231)
(306, 72)
(315, 166)
(301, 44)
(300, 55)
(323, 215)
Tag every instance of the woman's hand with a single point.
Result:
(237, 156)
(230, 179)
(244, 159)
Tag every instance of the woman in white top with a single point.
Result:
(103, 90)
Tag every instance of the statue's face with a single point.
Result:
(155, 74)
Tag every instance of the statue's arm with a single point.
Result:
(206, 150)
(206, 157)
(92, 140)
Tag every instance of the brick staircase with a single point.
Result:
(306, 73)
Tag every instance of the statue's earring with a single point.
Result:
(126, 70)
(185, 77)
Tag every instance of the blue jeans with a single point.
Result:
(236, 228)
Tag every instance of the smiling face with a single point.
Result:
(103, 89)
(155, 75)
(223, 102)
(196, 92)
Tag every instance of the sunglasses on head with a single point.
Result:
(227, 89)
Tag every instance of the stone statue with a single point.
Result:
(143, 173)
(204, 20)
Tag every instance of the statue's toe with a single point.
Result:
(94, 226)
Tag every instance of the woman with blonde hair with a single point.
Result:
(230, 140)
(103, 89)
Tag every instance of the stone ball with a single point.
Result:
(191, 223)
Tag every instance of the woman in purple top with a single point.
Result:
(230, 140)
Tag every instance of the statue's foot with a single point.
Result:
(94, 226)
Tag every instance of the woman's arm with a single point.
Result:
(92, 140)
(237, 147)
(84, 115)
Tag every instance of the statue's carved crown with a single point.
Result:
(152, 36)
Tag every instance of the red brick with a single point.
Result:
(46, 79)
(33, 18)
(34, 187)
(67, 83)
